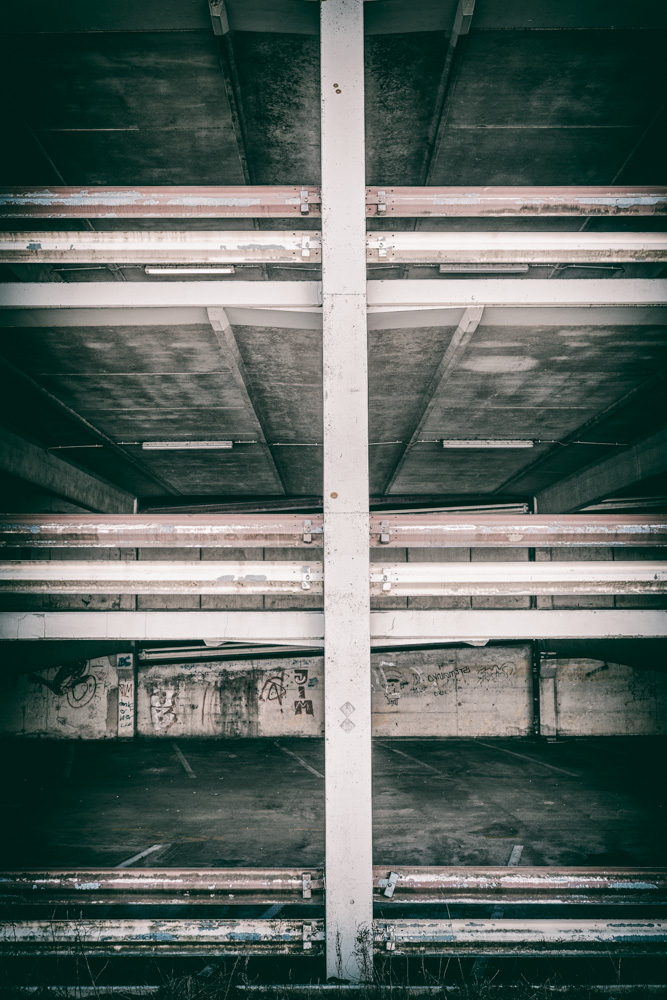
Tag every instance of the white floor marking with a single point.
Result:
(533, 760)
(69, 761)
(302, 762)
(142, 854)
(515, 856)
(421, 762)
(181, 756)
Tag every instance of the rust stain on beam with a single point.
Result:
(202, 202)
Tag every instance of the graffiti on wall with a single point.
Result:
(303, 705)
(73, 680)
(274, 688)
(163, 709)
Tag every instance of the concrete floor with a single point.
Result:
(260, 802)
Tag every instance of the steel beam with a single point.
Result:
(347, 689)
(642, 460)
(217, 937)
(60, 576)
(515, 938)
(481, 531)
(478, 579)
(298, 295)
(167, 530)
(491, 202)
(401, 530)
(304, 247)
(41, 468)
(64, 576)
(157, 247)
(294, 201)
(306, 628)
(508, 247)
(431, 882)
(200, 936)
(212, 202)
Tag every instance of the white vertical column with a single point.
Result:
(349, 884)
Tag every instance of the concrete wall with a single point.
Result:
(592, 697)
(465, 692)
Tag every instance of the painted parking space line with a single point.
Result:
(533, 760)
(181, 756)
(142, 854)
(302, 762)
(416, 761)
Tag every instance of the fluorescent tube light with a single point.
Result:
(186, 445)
(489, 443)
(483, 268)
(188, 269)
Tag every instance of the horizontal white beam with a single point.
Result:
(307, 627)
(510, 292)
(161, 294)
(518, 578)
(514, 247)
(297, 295)
(399, 579)
(160, 577)
(226, 246)
(161, 247)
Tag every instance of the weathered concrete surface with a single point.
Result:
(448, 802)
(450, 692)
(601, 699)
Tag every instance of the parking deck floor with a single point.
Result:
(260, 802)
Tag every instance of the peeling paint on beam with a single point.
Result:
(491, 202)
(305, 247)
(162, 530)
(388, 579)
(160, 202)
(480, 531)
(201, 936)
(210, 202)
(159, 881)
(561, 938)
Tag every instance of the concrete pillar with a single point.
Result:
(349, 885)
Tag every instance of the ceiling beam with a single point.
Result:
(390, 530)
(232, 356)
(642, 460)
(41, 468)
(306, 628)
(298, 295)
(454, 351)
(495, 202)
(227, 247)
(297, 200)
(386, 579)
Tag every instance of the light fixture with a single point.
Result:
(188, 269)
(186, 445)
(483, 268)
(486, 443)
